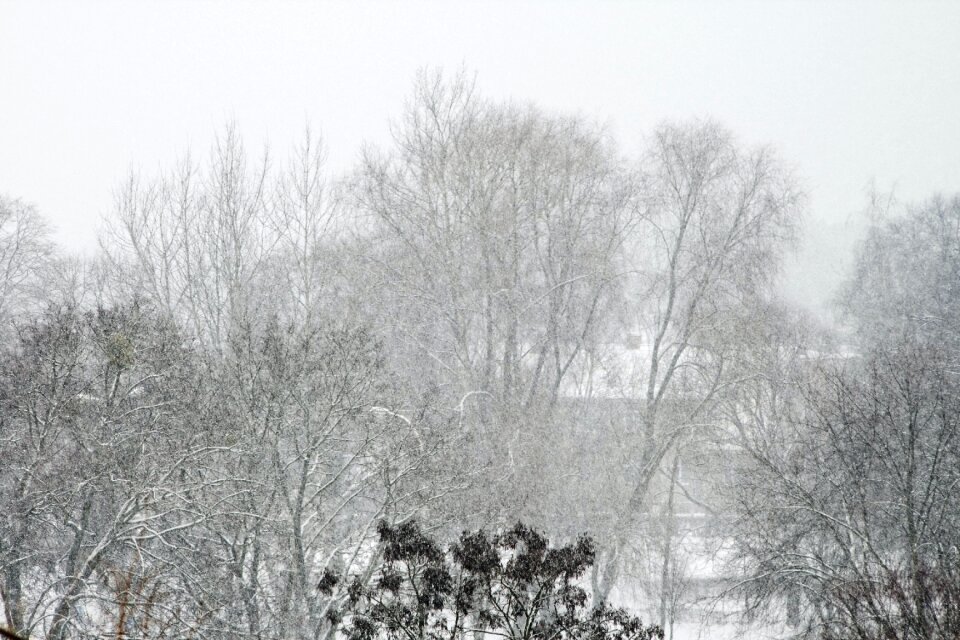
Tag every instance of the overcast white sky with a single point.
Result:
(850, 93)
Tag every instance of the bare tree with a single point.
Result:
(716, 220)
(852, 519)
(197, 239)
(309, 443)
(25, 253)
(494, 233)
(904, 283)
(93, 407)
(847, 511)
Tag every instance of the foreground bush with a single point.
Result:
(511, 585)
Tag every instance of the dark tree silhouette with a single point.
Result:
(512, 585)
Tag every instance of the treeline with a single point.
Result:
(499, 317)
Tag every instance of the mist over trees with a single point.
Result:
(273, 398)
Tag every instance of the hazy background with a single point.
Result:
(851, 94)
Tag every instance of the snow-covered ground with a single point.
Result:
(698, 631)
